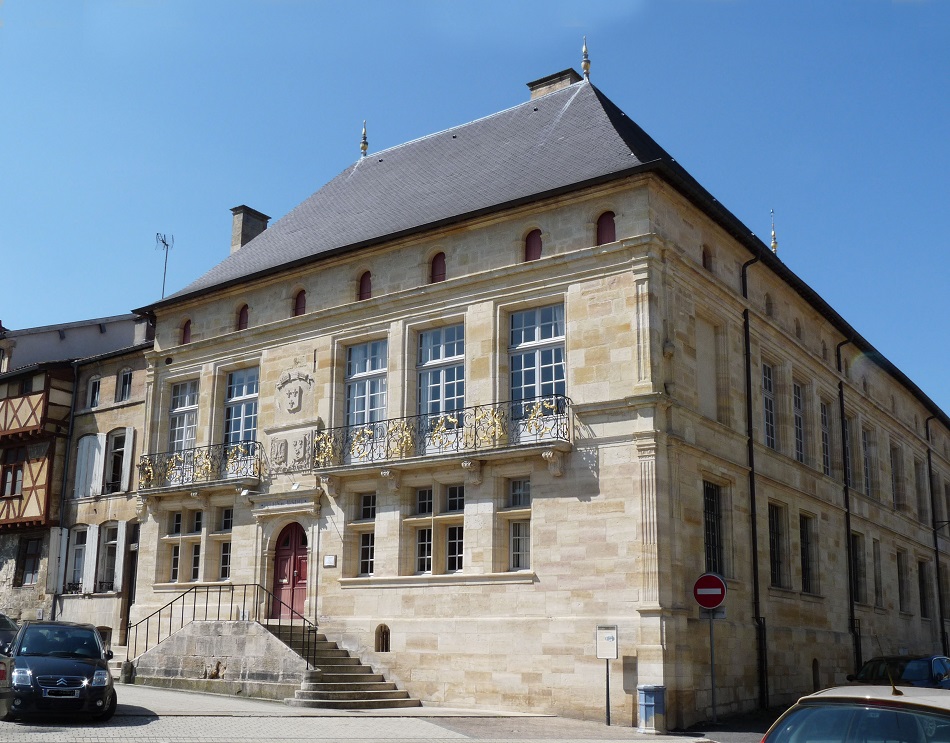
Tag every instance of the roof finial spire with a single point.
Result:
(585, 62)
(774, 241)
(364, 143)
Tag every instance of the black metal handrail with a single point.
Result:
(479, 427)
(244, 460)
(240, 602)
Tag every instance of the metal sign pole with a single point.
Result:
(712, 663)
(607, 666)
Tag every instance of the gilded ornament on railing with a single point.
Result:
(362, 441)
(202, 464)
(399, 439)
(484, 426)
(174, 463)
(146, 472)
(439, 436)
(535, 422)
(236, 453)
(322, 449)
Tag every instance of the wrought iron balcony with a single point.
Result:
(203, 464)
(503, 425)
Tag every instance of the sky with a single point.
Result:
(123, 119)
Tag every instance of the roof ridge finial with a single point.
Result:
(774, 240)
(585, 61)
(364, 143)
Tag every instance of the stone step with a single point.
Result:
(351, 695)
(361, 685)
(353, 703)
(346, 678)
(335, 666)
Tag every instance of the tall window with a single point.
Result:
(536, 355)
(924, 587)
(453, 548)
(183, 416)
(77, 560)
(866, 460)
(92, 393)
(903, 600)
(441, 369)
(848, 452)
(28, 561)
(224, 572)
(778, 542)
(367, 552)
(242, 317)
(11, 471)
(920, 482)
(175, 558)
(712, 528)
(768, 404)
(859, 574)
(366, 383)
(424, 550)
(240, 407)
(532, 245)
(809, 553)
(195, 562)
(300, 303)
(117, 461)
(123, 387)
(897, 477)
(520, 544)
(878, 574)
(366, 286)
(437, 268)
(798, 409)
(825, 439)
(606, 228)
(108, 546)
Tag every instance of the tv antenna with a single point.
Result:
(166, 243)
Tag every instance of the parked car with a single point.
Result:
(60, 667)
(932, 671)
(865, 714)
(8, 630)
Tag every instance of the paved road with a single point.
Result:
(150, 715)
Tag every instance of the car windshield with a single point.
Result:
(7, 623)
(860, 723)
(64, 642)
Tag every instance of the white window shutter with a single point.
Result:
(120, 554)
(90, 559)
(98, 464)
(85, 455)
(127, 462)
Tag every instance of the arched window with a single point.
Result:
(606, 228)
(437, 269)
(242, 318)
(707, 258)
(123, 385)
(382, 639)
(366, 286)
(186, 332)
(768, 305)
(532, 246)
(300, 303)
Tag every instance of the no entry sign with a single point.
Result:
(709, 590)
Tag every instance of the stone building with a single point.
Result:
(38, 369)
(492, 389)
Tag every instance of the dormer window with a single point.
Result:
(437, 268)
(300, 303)
(186, 332)
(532, 246)
(606, 228)
(242, 318)
(366, 286)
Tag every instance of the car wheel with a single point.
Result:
(109, 711)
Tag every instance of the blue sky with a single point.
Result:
(123, 118)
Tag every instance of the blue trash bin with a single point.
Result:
(652, 701)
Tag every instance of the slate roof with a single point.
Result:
(560, 141)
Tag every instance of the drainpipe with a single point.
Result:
(62, 495)
(846, 459)
(761, 655)
(933, 518)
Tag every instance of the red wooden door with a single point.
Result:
(290, 571)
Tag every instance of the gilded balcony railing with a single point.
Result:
(503, 425)
(244, 460)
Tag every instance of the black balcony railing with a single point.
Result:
(537, 420)
(202, 464)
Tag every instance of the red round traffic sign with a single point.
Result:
(709, 590)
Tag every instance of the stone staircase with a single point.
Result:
(338, 681)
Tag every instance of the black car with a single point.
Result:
(930, 671)
(8, 630)
(60, 667)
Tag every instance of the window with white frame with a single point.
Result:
(108, 552)
(423, 501)
(536, 359)
(174, 522)
(798, 410)
(123, 385)
(519, 546)
(825, 438)
(441, 372)
(768, 405)
(103, 463)
(118, 461)
(454, 498)
(226, 519)
(366, 383)
(224, 571)
(183, 416)
(195, 562)
(516, 521)
(175, 556)
(519, 493)
(92, 392)
(424, 550)
(454, 548)
(27, 569)
(367, 507)
(12, 461)
(240, 406)
(367, 552)
(76, 560)
(197, 521)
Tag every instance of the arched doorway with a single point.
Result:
(290, 571)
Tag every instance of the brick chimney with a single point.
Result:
(553, 82)
(247, 224)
